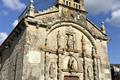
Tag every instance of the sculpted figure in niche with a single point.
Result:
(89, 72)
(69, 41)
(71, 64)
(52, 71)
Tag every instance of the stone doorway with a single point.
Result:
(71, 78)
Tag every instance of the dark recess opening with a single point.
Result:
(78, 1)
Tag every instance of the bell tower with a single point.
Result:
(72, 5)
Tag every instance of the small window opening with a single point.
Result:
(67, 2)
(78, 1)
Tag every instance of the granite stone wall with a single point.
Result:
(12, 59)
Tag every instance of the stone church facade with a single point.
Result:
(57, 44)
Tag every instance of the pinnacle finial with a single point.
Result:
(103, 27)
(31, 1)
(31, 8)
(102, 22)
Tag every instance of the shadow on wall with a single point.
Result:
(115, 71)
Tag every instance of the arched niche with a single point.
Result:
(76, 26)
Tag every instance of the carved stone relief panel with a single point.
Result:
(69, 41)
(90, 72)
(80, 65)
(70, 38)
(70, 64)
(52, 70)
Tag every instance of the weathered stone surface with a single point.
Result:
(56, 44)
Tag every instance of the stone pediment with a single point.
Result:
(49, 21)
(91, 28)
(52, 18)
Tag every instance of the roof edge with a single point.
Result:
(96, 26)
(12, 34)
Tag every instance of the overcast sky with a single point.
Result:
(98, 11)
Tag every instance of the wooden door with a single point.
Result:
(71, 78)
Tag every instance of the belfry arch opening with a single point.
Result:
(77, 1)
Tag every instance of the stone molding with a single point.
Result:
(75, 25)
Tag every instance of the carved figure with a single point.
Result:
(89, 72)
(70, 41)
(52, 71)
(71, 64)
